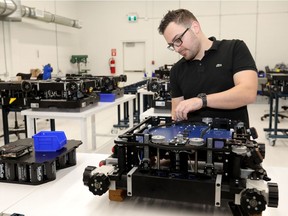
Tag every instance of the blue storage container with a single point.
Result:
(49, 141)
(107, 97)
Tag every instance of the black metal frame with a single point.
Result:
(147, 165)
(278, 89)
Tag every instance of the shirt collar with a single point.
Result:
(215, 44)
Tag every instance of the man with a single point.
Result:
(214, 78)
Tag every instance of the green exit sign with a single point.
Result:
(132, 18)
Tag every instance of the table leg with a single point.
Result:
(141, 103)
(30, 126)
(271, 99)
(84, 131)
(5, 113)
(276, 113)
(93, 132)
(52, 124)
(130, 114)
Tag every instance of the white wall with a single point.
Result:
(33, 44)
(29, 44)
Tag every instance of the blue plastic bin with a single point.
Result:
(107, 97)
(49, 141)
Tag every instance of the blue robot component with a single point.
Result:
(190, 131)
(47, 70)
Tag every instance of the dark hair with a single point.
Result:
(180, 16)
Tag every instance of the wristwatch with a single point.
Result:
(203, 96)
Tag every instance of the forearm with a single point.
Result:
(175, 102)
(244, 92)
(231, 99)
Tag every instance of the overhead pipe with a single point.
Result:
(48, 17)
(8, 7)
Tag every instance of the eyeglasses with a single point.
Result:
(177, 41)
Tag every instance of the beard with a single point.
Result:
(191, 53)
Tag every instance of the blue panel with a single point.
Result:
(193, 131)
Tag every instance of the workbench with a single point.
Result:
(88, 135)
(67, 195)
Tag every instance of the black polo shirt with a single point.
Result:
(212, 74)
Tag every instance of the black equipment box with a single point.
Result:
(64, 105)
(19, 163)
(14, 95)
(163, 72)
(162, 95)
(52, 94)
(103, 84)
(278, 82)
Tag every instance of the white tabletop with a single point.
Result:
(67, 195)
(145, 91)
(87, 130)
(82, 114)
(155, 112)
(12, 193)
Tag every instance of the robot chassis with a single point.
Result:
(58, 93)
(215, 161)
(48, 93)
(162, 96)
(70, 93)
(103, 84)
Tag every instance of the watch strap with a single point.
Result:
(203, 96)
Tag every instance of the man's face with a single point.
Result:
(182, 39)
